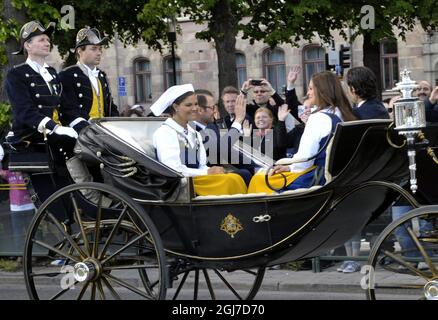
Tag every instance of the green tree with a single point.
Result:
(277, 21)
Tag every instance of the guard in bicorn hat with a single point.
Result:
(86, 93)
(34, 91)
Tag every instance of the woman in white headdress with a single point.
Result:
(180, 147)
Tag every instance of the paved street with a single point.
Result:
(277, 285)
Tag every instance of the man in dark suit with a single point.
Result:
(86, 91)
(34, 92)
(363, 87)
(219, 147)
(229, 98)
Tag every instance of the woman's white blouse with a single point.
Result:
(318, 126)
(167, 144)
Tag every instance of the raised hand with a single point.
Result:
(247, 128)
(267, 85)
(434, 96)
(283, 111)
(293, 74)
(240, 108)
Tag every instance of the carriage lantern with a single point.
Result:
(409, 117)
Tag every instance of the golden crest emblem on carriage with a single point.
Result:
(231, 225)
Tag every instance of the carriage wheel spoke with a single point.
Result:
(254, 273)
(100, 290)
(111, 289)
(126, 246)
(97, 226)
(128, 286)
(93, 290)
(196, 286)
(49, 247)
(113, 232)
(183, 280)
(209, 286)
(67, 236)
(423, 252)
(60, 293)
(79, 221)
(228, 284)
(84, 288)
(45, 274)
(407, 265)
(136, 266)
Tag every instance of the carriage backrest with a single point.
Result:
(345, 142)
(138, 134)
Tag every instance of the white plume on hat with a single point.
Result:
(169, 96)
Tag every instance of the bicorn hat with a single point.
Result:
(89, 36)
(32, 29)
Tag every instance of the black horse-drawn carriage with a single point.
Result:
(156, 234)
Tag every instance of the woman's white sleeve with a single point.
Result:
(317, 127)
(168, 152)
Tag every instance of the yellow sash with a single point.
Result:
(258, 183)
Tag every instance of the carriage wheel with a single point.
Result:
(405, 266)
(106, 251)
(214, 284)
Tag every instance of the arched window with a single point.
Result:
(168, 71)
(313, 61)
(274, 68)
(389, 63)
(241, 69)
(143, 86)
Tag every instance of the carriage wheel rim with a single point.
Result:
(429, 288)
(89, 270)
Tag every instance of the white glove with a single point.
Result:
(66, 131)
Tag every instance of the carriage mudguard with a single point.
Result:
(135, 173)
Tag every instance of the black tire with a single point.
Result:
(410, 272)
(116, 247)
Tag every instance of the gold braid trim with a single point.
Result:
(389, 139)
(429, 150)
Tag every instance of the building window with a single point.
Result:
(143, 87)
(389, 64)
(168, 72)
(274, 68)
(241, 69)
(313, 61)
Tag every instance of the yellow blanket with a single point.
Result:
(219, 184)
(258, 183)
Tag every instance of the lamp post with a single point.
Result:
(171, 36)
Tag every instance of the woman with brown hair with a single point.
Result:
(325, 91)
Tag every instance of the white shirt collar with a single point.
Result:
(201, 125)
(35, 65)
(360, 103)
(94, 72)
(175, 125)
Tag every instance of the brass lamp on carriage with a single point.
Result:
(409, 117)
